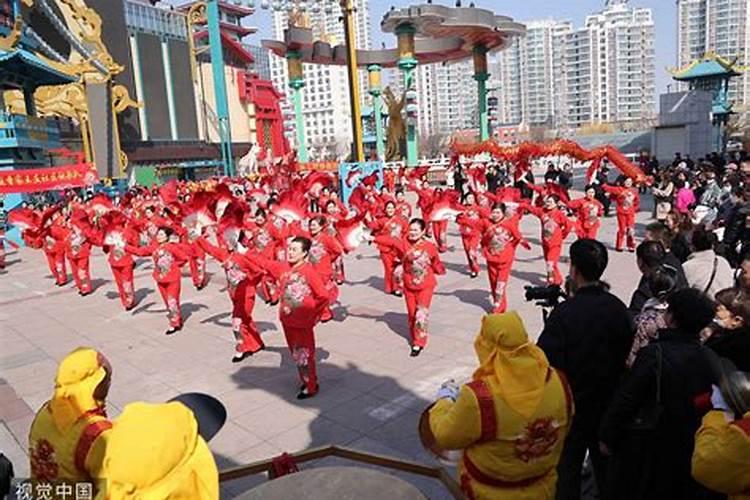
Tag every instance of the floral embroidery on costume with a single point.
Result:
(499, 240)
(419, 263)
(420, 321)
(163, 261)
(295, 291)
(549, 226)
(317, 252)
(43, 464)
(538, 439)
(235, 275)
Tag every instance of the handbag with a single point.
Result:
(713, 275)
(648, 418)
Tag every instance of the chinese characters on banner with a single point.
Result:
(47, 179)
(30, 489)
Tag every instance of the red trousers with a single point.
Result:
(440, 230)
(587, 233)
(418, 310)
(198, 271)
(338, 270)
(499, 274)
(301, 343)
(245, 332)
(471, 247)
(56, 263)
(333, 295)
(124, 278)
(551, 259)
(626, 230)
(390, 262)
(80, 268)
(170, 293)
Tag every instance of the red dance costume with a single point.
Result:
(263, 241)
(168, 257)
(588, 217)
(323, 252)
(471, 235)
(243, 276)
(421, 262)
(628, 201)
(303, 297)
(54, 250)
(395, 227)
(77, 240)
(555, 228)
(121, 263)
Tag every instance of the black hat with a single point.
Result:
(209, 412)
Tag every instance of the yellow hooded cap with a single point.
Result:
(514, 367)
(78, 376)
(155, 452)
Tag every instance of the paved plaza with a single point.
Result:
(371, 394)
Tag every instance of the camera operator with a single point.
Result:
(588, 337)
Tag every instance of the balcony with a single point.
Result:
(21, 131)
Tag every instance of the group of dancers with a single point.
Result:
(283, 237)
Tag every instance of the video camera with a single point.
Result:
(545, 296)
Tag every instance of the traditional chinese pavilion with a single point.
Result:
(712, 74)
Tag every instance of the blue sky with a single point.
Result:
(664, 12)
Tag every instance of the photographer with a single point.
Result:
(588, 337)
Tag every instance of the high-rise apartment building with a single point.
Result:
(562, 77)
(262, 63)
(325, 105)
(720, 27)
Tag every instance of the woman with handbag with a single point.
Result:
(650, 425)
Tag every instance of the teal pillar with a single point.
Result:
(407, 63)
(481, 76)
(220, 85)
(299, 120)
(377, 106)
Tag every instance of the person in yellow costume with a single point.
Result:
(155, 452)
(721, 458)
(69, 433)
(510, 420)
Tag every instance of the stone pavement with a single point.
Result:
(372, 392)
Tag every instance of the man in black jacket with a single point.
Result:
(657, 464)
(588, 337)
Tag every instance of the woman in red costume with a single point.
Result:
(114, 243)
(53, 237)
(628, 202)
(421, 262)
(303, 298)
(78, 236)
(469, 227)
(324, 250)
(555, 228)
(500, 237)
(168, 257)
(243, 276)
(333, 215)
(392, 224)
(196, 258)
(588, 214)
(263, 239)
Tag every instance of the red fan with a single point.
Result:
(24, 219)
(290, 207)
(101, 204)
(316, 181)
(446, 207)
(168, 192)
(418, 172)
(353, 177)
(371, 180)
(352, 232)
(357, 200)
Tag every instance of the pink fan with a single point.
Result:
(23, 219)
(101, 204)
(352, 232)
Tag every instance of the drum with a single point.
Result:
(448, 458)
(335, 483)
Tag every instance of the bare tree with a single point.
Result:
(433, 145)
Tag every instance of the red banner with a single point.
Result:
(47, 179)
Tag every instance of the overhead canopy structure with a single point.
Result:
(21, 69)
(444, 34)
(711, 66)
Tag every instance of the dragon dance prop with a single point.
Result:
(522, 155)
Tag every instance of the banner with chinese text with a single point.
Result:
(47, 179)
